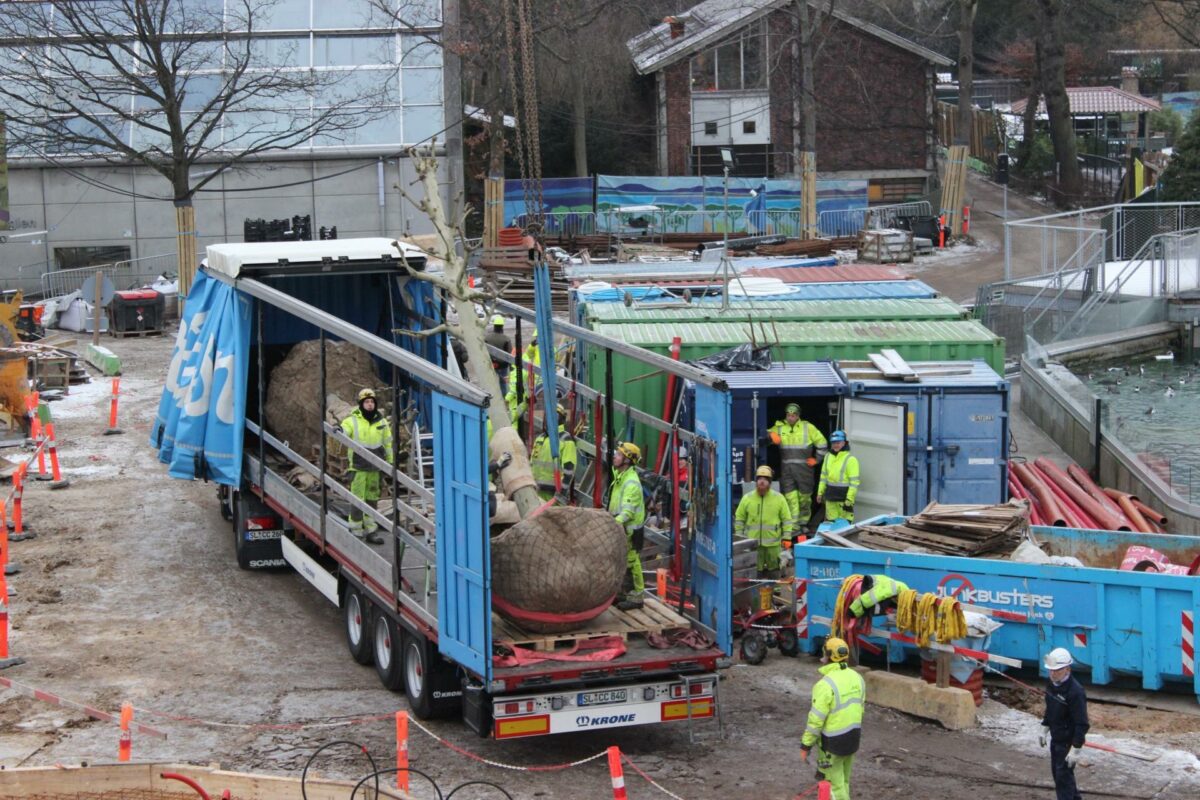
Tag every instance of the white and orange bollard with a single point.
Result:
(402, 751)
(125, 743)
(617, 773)
(824, 790)
(6, 658)
(55, 471)
(112, 409)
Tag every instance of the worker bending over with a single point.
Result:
(532, 379)
(801, 446)
(1065, 723)
(367, 427)
(839, 479)
(763, 515)
(835, 719)
(542, 460)
(628, 506)
(498, 339)
(878, 595)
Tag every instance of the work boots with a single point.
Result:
(630, 603)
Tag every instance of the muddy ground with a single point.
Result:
(130, 592)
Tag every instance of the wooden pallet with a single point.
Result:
(654, 617)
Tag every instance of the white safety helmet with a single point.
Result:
(1058, 658)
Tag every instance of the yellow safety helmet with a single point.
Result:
(764, 472)
(630, 451)
(365, 394)
(836, 650)
(792, 408)
(498, 321)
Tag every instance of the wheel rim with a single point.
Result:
(752, 645)
(354, 627)
(414, 670)
(383, 644)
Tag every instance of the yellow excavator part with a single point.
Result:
(14, 373)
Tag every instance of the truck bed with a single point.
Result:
(372, 564)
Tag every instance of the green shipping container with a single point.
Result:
(779, 310)
(956, 340)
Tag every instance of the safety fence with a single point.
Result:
(123, 274)
(849, 221)
(650, 222)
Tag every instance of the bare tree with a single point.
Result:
(966, 69)
(165, 84)
(1053, 78)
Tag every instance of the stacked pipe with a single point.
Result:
(1071, 498)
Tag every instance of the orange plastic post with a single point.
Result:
(824, 790)
(616, 772)
(3, 616)
(125, 745)
(942, 231)
(661, 582)
(966, 219)
(18, 488)
(53, 453)
(35, 430)
(112, 410)
(402, 751)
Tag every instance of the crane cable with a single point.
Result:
(519, 34)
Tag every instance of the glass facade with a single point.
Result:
(351, 53)
(738, 65)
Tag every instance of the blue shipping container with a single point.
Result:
(1112, 621)
(957, 431)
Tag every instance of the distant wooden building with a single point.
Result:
(724, 76)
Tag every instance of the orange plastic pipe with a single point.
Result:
(1115, 493)
(1083, 479)
(1135, 516)
(1157, 517)
(1050, 512)
(1102, 515)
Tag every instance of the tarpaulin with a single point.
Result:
(201, 416)
(603, 648)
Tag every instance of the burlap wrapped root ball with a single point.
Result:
(293, 406)
(563, 561)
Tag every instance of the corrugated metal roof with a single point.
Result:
(787, 375)
(839, 274)
(683, 268)
(648, 297)
(707, 23)
(789, 310)
(1085, 100)
(726, 334)
(936, 373)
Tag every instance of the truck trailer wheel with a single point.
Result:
(357, 622)
(417, 684)
(389, 651)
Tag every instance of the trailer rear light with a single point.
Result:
(677, 690)
(699, 688)
(557, 703)
(648, 693)
(522, 726)
(512, 708)
(265, 523)
(678, 709)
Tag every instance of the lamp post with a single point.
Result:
(727, 164)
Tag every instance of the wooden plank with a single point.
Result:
(840, 540)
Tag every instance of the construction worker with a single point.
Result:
(878, 595)
(801, 447)
(543, 463)
(530, 355)
(835, 719)
(367, 427)
(839, 479)
(628, 505)
(764, 515)
(498, 339)
(1065, 723)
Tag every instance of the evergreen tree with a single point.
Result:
(1180, 181)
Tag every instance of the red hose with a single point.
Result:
(1092, 488)
(1076, 517)
(1106, 519)
(1015, 490)
(184, 779)
(1049, 509)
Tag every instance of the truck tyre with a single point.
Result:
(418, 685)
(357, 619)
(389, 651)
(223, 500)
(237, 513)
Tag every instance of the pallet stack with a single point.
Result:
(954, 530)
(954, 186)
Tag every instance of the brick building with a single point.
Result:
(724, 77)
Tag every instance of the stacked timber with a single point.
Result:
(954, 530)
(812, 248)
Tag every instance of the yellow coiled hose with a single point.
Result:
(926, 617)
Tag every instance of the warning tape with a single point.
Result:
(62, 702)
(501, 764)
(650, 780)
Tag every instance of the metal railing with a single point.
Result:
(849, 221)
(563, 224)
(124, 274)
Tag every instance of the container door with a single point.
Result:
(876, 432)
(464, 598)
(711, 564)
(969, 440)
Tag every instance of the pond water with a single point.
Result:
(1153, 407)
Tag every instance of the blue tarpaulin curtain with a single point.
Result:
(201, 417)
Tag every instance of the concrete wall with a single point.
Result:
(130, 207)
(1051, 398)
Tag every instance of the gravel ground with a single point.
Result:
(130, 593)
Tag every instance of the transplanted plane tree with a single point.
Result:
(171, 85)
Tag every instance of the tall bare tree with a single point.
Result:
(1053, 78)
(164, 84)
(966, 69)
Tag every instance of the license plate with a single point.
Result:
(603, 698)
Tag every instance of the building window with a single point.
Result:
(737, 65)
(749, 126)
(710, 129)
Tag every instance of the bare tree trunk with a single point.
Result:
(1058, 108)
(185, 238)
(517, 476)
(495, 82)
(807, 128)
(1028, 126)
(579, 101)
(966, 70)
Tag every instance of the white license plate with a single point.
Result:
(603, 698)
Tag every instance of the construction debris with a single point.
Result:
(955, 530)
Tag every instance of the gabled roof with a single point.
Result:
(707, 23)
(1087, 100)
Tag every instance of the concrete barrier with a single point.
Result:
(953, 708)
